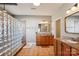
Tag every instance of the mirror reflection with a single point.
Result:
(72, 23)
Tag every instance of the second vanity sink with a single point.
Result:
(71, 41)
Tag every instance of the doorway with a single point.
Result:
(58, 28)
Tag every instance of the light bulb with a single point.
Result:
(67, 12)
(73, 8)
(43, 22)
(36, 4)
(4, 11)
(78, 5)
(0, 11)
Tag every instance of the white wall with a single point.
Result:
(32, 22)
(61, 14)
(32, 25)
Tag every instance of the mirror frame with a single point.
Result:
(65, 24)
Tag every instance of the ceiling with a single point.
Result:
(29, 9)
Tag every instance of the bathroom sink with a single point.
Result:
(71, 41)
(77, 40)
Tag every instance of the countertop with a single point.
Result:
(70, 43)
(44, 33)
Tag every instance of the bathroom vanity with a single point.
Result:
(64, 47)
(43, 35)
(43, 39)
(69, 46)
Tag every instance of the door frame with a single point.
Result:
(58, 23)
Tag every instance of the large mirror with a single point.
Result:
(72, 23)
(44, 27)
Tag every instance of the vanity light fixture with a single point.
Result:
(4, 4)
(73, 8)
(78, 5)
(4, 9)
(36, 4)
(0, 11)
(44, 22)
(68, 11)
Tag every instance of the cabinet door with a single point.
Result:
(51, 40)
(58, 48)
(65, 50)
(39, 40)
(47, 41)
(55, 49)
(74, 52)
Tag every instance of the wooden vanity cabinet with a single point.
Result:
(55, 47)
(58, 48)
(51, 39)
(65, 50)
(69, 51)
(74, 52)
(61, 49)
(44, 40)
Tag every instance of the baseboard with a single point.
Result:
(19, 49)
